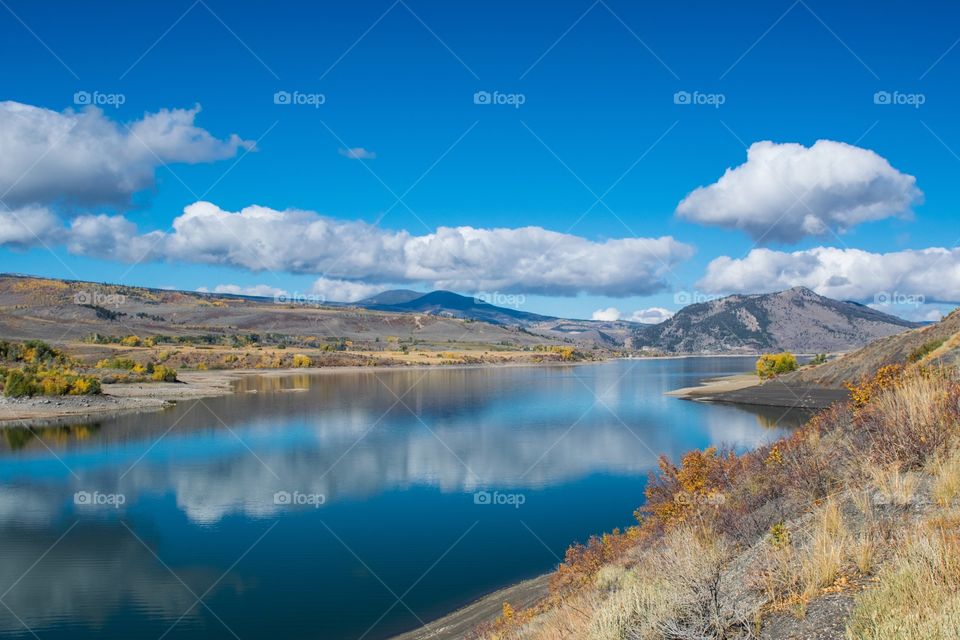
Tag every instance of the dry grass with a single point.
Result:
(946, 478)
(912, 422)
(918, 595)
(827, 552)
(893, 485)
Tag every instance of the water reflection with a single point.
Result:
(199, 484)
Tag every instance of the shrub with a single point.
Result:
(116, 363)
(300, 360)
(59, 381)
(17, 385)
(163, 373)
(885, 377)
(130, 341)
(770, 365)
(925, 349)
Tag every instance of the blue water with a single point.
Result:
(436, 487)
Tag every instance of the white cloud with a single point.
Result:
(910, 277)
(606, 315)
(358, 153)
(28, 226)
(344, 290)
(262, 290)
(786, 192)
(84, 158)
(651, 315)
(525, 259)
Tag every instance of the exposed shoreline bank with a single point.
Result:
(125, 398)
(749, 389)
(458, 623)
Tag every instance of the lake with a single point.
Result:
(351, 504)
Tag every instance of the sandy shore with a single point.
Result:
(713, 386)
(459, 623)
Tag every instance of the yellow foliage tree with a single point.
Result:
(770, 365)
(300, 361)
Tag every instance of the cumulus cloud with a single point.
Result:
(344, 290)
(910, 277)
(606, 315)
(28, 226)
(787, 192)
(525, 259)
(262, 290)
(84, 158)
(358, 153)
(651, 315)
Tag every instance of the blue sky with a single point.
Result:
(598, 118)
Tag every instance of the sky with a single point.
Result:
(604, 159)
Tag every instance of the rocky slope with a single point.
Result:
(796, 320)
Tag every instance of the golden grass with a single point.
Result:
(946, 478)
(827, 551)
(895, 486)
(918, 594)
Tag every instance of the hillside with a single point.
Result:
(847, 528)
(937, 343)
(793, 320)
(451, 305)
(62, 311)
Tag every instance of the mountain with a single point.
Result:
(793, 320)
(451, 305)
(393, 296)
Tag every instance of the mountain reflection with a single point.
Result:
(356, 434)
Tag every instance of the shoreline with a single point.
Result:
(748, 389)
(459, 622)
(132, 398)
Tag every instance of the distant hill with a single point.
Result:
(451, 305)
(794, 320)
(798, 319)
(393, 296)
(62, 311)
